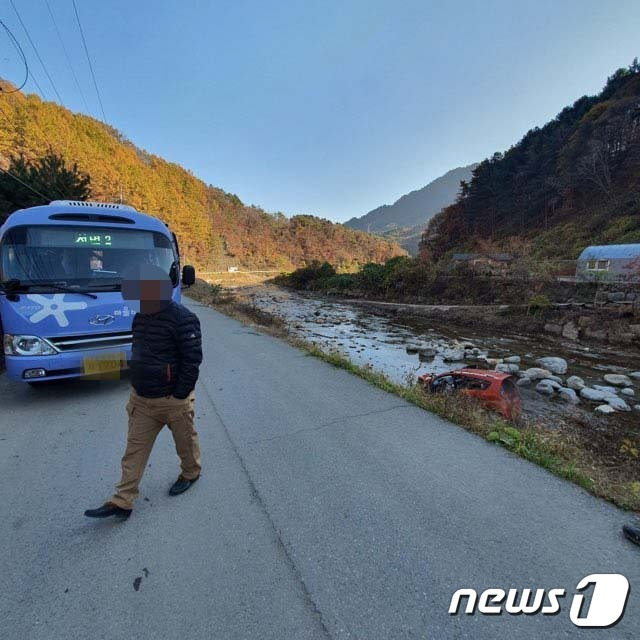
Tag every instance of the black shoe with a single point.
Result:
(181, 485)
(633, 533)
(107, 510)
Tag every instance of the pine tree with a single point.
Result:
(48, 178)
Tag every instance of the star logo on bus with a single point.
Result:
(54, 306)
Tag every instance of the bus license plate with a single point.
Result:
(107, 364)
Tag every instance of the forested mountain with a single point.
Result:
(414, 208)
(573, 182)
(215, 228)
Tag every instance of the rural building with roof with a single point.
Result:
(609, 263)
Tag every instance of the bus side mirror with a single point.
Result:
(188, 275)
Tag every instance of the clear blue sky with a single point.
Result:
(334, 107)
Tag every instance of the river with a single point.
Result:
(383, 341)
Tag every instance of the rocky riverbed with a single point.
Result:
(557, 378)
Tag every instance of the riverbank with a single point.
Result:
(598, 453)
(576, 322)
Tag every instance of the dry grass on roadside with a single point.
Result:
(240, 278)
(557, 450)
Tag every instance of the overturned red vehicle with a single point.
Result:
(494, 389)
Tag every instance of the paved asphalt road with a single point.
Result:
(327, 509)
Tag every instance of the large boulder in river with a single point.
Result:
(618, 379)
(525, 382)
(568, 395)
(536, 373)
(507, 368)
(612, 391)
(453, 355)
(575, 382)
(553, 364)
(617, 403)
(544, 387)
(628, 391)
(512, 360)
(605, 408)
(635, 375)
(594, 395)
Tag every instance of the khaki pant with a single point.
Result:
(147, 417)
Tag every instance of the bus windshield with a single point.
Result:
(80, 256)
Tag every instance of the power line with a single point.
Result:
(86, 50)
(16, 44)
(37, 53)
(40, 89)
(64, 48)
(30, 73)
(24, 184)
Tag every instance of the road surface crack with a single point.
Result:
(324, 425)
(368, 413)
(311, 604)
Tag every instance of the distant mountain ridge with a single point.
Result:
(415, 208)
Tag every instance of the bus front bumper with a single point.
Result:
(95, 363)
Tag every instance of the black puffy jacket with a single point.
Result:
(166, 352)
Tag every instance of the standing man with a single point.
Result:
(166, 356)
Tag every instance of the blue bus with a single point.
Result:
(61, 308)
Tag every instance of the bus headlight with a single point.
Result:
(26, 346)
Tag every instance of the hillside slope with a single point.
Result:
(571, 183)
(407, 237)
(215, 228)
(414, 208)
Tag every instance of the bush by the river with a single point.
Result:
(406, 279)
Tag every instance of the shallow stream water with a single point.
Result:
(380, 340)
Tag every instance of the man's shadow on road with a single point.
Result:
(63, 391)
